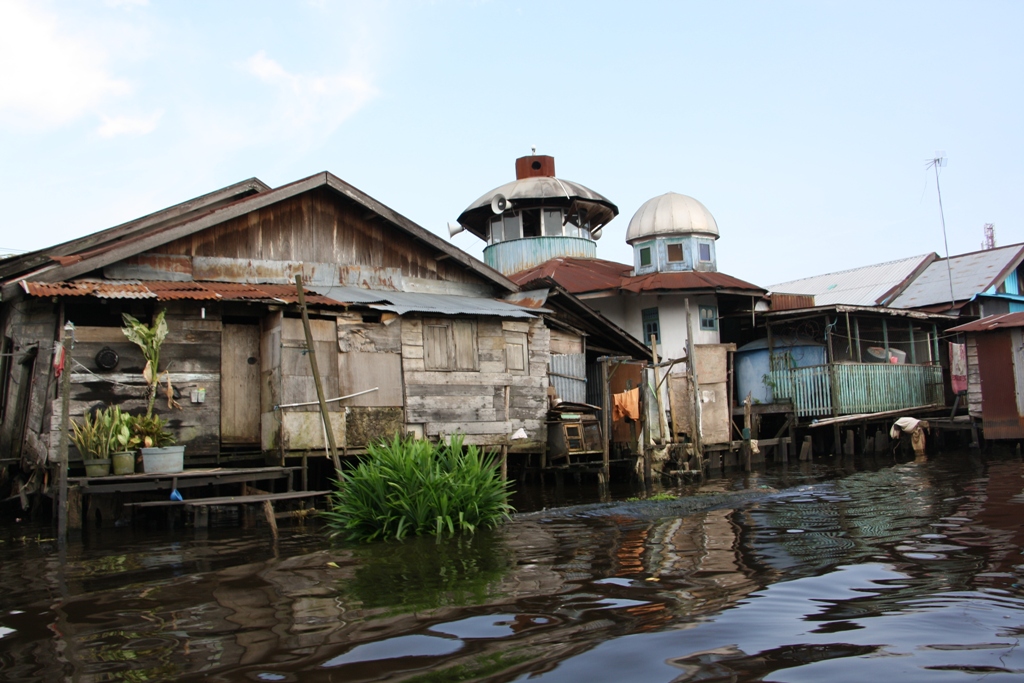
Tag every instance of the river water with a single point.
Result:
(901, 571)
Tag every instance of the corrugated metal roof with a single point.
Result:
(173, 291)
(686, 280)
(992, 322)
(577, 275)
(398, 302)
(972, 274)
(864, 286)
(448, 304)
(580, 276)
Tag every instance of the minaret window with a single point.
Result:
(531, 222)
(552, 222)
(513, 229)
(704, 252)
(675, 252)
(645, 256)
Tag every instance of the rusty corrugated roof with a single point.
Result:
(577, 275)
(173, 291)
(992, 322)
(580, 276)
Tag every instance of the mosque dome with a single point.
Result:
(671, 214)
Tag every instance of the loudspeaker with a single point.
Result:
(500, 204)
(454, 229)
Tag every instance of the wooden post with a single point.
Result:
(65, 423)
(856, 334)
(504, 462)
(268, 512)
(316, 374)
(691, 369)
(807, 450)
(881, 441)
(848, 445)
(606, 418)
(746, 433)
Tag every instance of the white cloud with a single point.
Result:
(48, 77)
(113, 126)
(310, 102)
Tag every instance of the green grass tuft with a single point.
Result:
(413, 487)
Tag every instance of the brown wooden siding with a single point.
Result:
(320, 227)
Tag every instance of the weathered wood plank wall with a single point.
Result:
(320, 227)
(489, 404)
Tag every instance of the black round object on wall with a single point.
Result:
(106, 358)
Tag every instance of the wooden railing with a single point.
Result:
(857, 387)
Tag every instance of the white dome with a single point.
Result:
(671, 214)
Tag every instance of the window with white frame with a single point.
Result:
(708, 318)
(649, 317)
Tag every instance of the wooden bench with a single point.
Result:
(203, 504)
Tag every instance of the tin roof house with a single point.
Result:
(411, 334)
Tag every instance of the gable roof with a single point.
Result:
(972, 274)
(866, 286)
(103, 248)
(582, 276)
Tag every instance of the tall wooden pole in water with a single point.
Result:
(316, 374)
(65, 424)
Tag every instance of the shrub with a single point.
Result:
(410, 487)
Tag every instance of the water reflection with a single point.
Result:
(908, 571)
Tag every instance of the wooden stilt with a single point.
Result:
(268, 512)
(806, 451)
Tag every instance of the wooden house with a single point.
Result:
(411, 334)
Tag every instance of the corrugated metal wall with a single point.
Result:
(860, 387)
(569, 376)
(518, 255)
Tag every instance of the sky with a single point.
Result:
(804, 127)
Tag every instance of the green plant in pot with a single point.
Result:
(124, 442)
(93, 440)
(159, 455)
(149, 339)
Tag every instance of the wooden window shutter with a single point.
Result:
(516, 360)
(436, 347)
(466, 355)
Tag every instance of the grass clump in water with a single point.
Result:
(413, 487)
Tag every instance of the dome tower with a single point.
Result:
(672, 232)
(536, 218)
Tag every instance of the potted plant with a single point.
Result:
(92, 438)
(158, 453)
(124, 442)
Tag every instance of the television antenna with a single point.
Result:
(990, 236)
(937, 162)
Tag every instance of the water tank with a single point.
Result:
(752, 364)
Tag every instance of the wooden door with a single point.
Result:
(240, 385)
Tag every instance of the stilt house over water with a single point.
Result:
(411, 334)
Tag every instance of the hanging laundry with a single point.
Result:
(958, 367)
(626, 405)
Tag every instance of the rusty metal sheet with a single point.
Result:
(992, 322)
(789, 302)
(1000, 417)
(176, 291)
(535, 298)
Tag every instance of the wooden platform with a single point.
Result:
(201, 506)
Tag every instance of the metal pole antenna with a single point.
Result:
(940, 160)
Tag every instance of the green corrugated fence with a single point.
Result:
(859, 387)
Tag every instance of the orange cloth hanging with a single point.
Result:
(626, 405)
